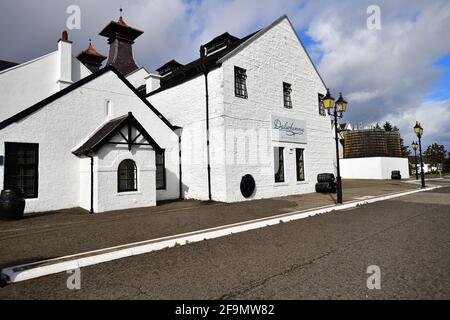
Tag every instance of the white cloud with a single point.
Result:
(434, 116)
(388, 71)
(381, 73)
(363, 96)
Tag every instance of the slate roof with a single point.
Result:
(120, 28)
(7, 64)
(214, 61)
(61, 93)
(171, 65)
(110, 129)
(199, 66)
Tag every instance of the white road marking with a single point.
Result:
(51, 266)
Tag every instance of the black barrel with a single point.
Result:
(248, 186)
(325, 177)
(325, 187)
(12, 204)
(396, 175)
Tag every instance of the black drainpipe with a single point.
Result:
(207, 135)
(92, 183)
(180, 167)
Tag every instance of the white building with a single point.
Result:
(370, 153)
(119, 137)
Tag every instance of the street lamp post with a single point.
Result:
(336, 110)
(418, 130)
(414, 146)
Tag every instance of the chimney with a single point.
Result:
(120, 39)
(152, 83)
(65, 61)
(91, 58)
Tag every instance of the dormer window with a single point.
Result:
(240, 82)
(218, 43)
(287, 89)
(169, 68)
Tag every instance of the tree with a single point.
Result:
(387, 126)
(405, 149)
(447, 163)
(435, 154)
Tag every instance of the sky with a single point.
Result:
(399, 72)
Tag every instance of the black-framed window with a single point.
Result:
(278, 153)
(127, 176)
(21, 168)
(240, 82)
(322, 110)
(160, 163)
(300, 163)
(287, 89)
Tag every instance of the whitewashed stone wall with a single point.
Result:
(275, 57)
(378, 168)
(30, 82)
(137, 78)
(66, 123)
(25, 85)
(185, 106)
(107, 163)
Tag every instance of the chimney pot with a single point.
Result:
(65, 36)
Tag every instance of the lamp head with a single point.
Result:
(328, 100)
(341, 104)
(418, 130)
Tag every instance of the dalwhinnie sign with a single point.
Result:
(288, 130)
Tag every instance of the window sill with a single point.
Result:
(129, 193)
(302, 182)
(281, 184)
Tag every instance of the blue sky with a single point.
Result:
(441, 89)
(399, 73)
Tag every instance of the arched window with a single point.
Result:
(127, 176)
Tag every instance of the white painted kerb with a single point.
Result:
(52, 266)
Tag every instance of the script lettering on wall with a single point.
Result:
(288, 130)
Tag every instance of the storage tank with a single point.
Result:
(371, 143)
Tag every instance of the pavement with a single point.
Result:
(54, 234)
(323, 257)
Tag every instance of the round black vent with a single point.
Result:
(248, 186)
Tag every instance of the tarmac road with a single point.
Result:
(323, 257)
